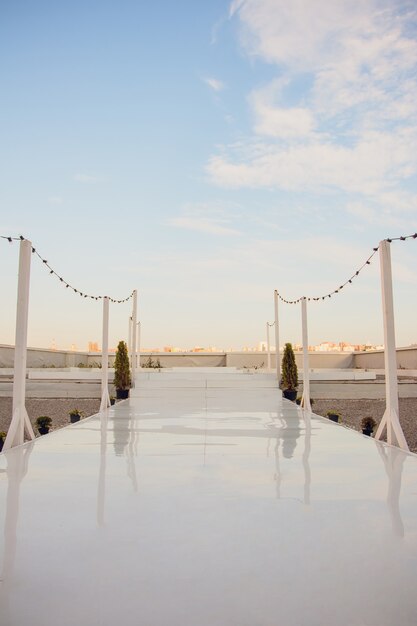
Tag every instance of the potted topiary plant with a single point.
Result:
(368, 424)
(289, 381)
(75, 415)
(43, 424)
(112, 400)
(334, 416)
(122, 379)
(3, 436)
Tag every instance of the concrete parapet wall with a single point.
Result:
(40, 357)
(406, 359)
(318, 360)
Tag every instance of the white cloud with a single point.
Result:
(370, 167)
(85, 178)
(275, 121)
(210, 219)
(214, 84)
(341, 115)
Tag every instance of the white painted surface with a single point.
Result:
(390, 419)
(20, 422)
(305, 400)
(218, 507)
(134, 336)
(277, 347)
(105, 398)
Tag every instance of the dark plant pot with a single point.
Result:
(333, 418)
(1, 444)
(367, 431)
(298, 401)
(122, 394)
(74, 418)
(43, 430)
(112, 401)
(290, 394)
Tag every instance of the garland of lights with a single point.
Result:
(328, 295)
(61, 279)
(349, 280)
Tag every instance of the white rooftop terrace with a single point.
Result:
(206, 499)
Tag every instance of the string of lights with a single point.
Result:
(352, 278)
(60, 278)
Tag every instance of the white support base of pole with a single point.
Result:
(19, 424)
(395, 434)
(390, 419)
(105, 400)
(305, 400)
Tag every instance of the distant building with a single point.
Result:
(93, 346)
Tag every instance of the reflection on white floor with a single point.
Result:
(207, 505)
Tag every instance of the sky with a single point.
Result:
(205, 154)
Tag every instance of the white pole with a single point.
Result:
(20, 418)
(390, 418)
(138, 348)
(134, 330)
(129, 341)
(305, 400)
(105, 400)
(268, 347)
(277, 355)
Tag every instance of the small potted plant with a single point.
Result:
(75, 415)
(112, 400)
(43, 424)
(122, 379)
(334, 416)
(289, 381)
(3, 436)
(368, 424)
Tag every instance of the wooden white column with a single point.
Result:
(268, 347)
(139, 338)
(390, 419)
(105, 399)
(134, 334)
(129, 341)
(20, 418)
(305, 400)
(278, 360)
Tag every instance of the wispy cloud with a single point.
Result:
(86, 178)
(214, 84)
(341, 115)
(213, 220)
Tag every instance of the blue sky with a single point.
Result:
(205, 154)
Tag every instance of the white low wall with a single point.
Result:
(40, 357)
(406, 359)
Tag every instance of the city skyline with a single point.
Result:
(206, 154)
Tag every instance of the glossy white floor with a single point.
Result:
(202, 504)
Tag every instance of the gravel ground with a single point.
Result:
(352, 411)
(56, 408)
